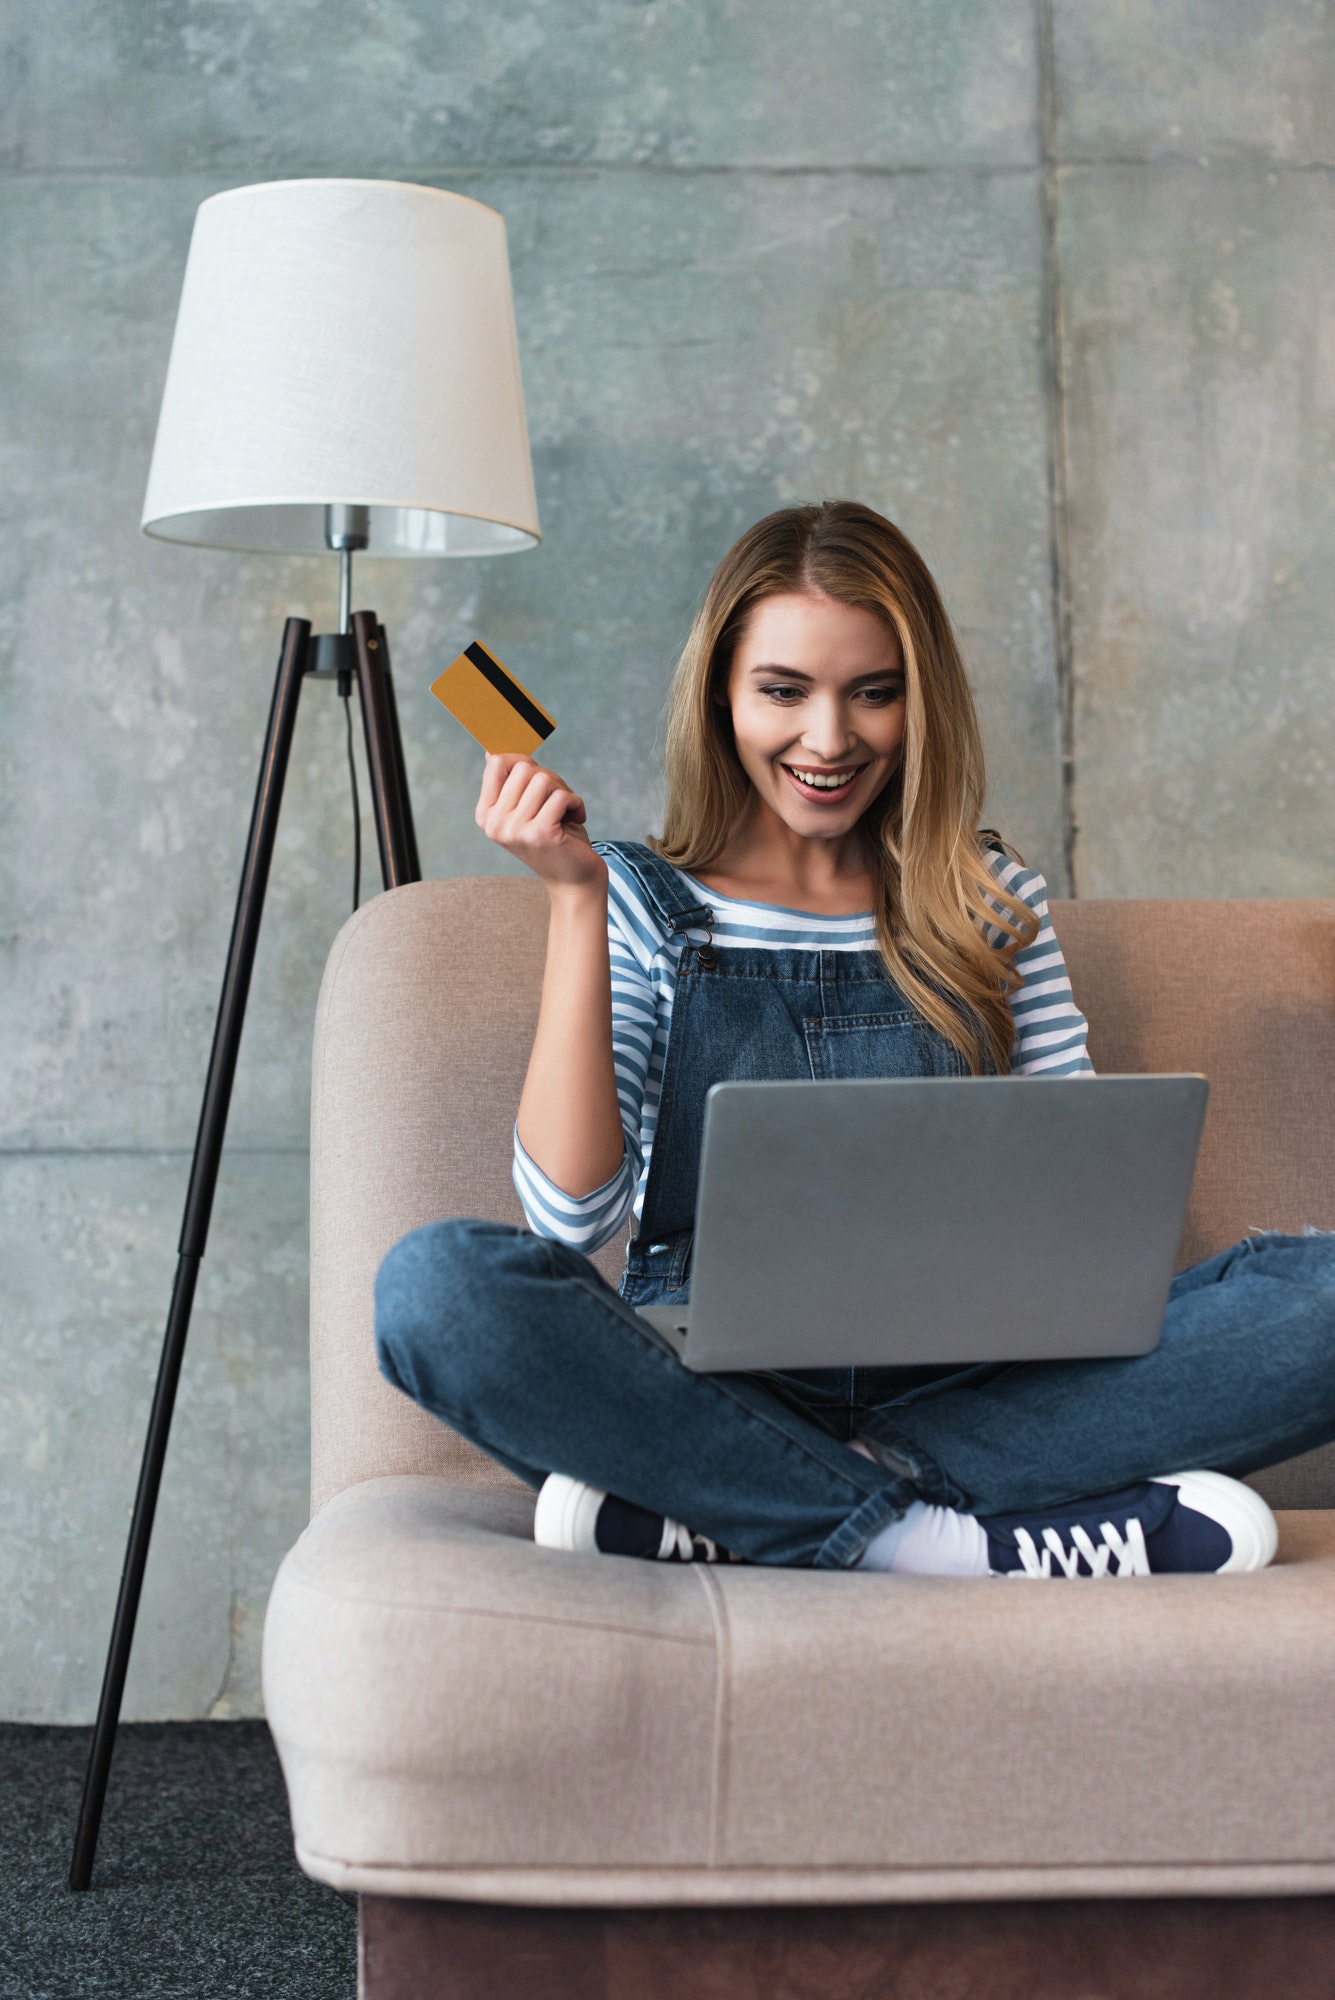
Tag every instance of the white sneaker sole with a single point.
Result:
(566, 1516)
(1242, 1514)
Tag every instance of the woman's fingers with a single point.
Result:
(548, 811)
(503, 783)
(495, 772)
(505, 776)
(561, 811)
(527, 778)
(524, 792)
(516, 784)
(522, 796)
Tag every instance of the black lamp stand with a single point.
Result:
(358, 652)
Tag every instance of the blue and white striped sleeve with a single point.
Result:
(587, 1221)
(1050, 1030)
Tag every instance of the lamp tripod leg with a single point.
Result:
(384, 754)
(401, 768)
(194, 1225)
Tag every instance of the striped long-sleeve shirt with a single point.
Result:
(1049, 1028)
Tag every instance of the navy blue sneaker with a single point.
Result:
(581, 1518)
(1185, 1523)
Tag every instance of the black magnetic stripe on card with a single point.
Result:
(492, 670)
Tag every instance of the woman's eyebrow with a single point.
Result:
(895, 673)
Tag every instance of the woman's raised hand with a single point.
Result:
(533, 814)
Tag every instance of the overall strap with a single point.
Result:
(668, 897)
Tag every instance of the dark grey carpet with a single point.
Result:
(195, 1893)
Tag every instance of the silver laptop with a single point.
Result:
(889, 1222)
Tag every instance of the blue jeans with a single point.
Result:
(517, 1343)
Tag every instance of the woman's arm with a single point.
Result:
(1050, 1030)
(569, 1117)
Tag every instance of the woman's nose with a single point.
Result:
(828, 734)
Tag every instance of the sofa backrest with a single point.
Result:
(422, 1035)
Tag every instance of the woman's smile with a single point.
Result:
(824, 787)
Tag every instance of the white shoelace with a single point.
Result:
(1130, 1551)
(679, 1541)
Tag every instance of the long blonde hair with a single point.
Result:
(947, 930)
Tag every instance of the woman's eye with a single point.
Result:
(883, 697)
(783, 693)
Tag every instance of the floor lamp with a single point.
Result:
(344, 376)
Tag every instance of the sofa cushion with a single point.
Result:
(1245, 993)
(460, 1713)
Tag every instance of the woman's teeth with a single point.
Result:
(822, 781)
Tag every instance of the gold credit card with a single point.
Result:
(491, 704)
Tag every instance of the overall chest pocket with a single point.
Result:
(897, 1044)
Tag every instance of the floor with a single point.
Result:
(195, 1894)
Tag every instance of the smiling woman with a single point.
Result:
(823, 650)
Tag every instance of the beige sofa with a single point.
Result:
(467, 1719)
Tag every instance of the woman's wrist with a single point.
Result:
(573, 901)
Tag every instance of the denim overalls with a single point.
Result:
(517, 1343)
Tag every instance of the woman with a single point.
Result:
(821, 903)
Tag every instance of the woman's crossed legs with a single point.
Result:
(518, 1344)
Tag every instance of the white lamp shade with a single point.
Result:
(344, 342)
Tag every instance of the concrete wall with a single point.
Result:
(1048, 284)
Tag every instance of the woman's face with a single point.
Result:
(817, 699)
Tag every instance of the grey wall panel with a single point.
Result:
(1164, 79)
(409, 87)
(1202, 483)
(86, 1256)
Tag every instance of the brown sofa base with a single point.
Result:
(1177, 1948)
